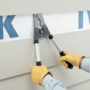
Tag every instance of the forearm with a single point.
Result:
(50, 83)
(85, 64)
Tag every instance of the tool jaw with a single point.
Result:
(40, 28)
(37, 34)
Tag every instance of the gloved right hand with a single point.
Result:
(38, 73)
(71, 58)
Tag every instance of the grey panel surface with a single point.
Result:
(21, 7)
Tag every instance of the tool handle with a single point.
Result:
(38, 63)
(61, 52)
(69, 64)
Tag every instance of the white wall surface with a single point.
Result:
(17, 55)
(22, 7)
(57, 24)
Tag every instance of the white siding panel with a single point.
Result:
(22, 7)
(70, 78)
(82, 86)
(18, 56)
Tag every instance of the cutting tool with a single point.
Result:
(41, 31)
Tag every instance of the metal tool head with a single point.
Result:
(40, 28)
(37, 28)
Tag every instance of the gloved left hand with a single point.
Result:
(71, 58)
(38, 73)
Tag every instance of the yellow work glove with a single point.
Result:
(38, 73)
(71, 58)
